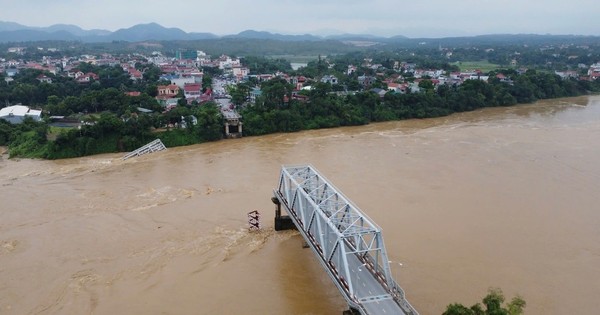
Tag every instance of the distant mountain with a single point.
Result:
(154, 31)
(199, 36)
(251, 34)
(15, 32)
(398, 37)
(75, 30)
(151, 31)
(25, 35)
(11, 26)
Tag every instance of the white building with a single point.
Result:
(239, 71)
(182, 81)
(331, 79)
(17, 113)
(225, 62)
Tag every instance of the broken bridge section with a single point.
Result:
(153, 146)
(347, 243)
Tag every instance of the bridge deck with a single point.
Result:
(346, 242)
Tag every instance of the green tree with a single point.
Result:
(426, 85)
(210, 122)
(207, 81)
(493, 304)
(274, 92)
(239, 93)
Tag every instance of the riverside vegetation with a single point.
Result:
(112, 123)
(493, 306)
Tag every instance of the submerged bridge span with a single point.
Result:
(347, 243)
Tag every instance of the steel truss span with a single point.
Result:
(346, 242)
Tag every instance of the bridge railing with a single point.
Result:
(153, 146)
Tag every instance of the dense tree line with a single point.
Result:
(27, 139)
(108, 132)
(258, 65)
(276, 111)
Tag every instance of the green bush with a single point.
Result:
(493, 306)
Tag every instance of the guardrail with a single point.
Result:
(153, 146)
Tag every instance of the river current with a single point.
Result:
(500, 197)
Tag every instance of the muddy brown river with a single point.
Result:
(502, 197)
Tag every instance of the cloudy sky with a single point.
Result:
(416, 18)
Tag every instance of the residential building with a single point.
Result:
(181, 81)
(87, 78)
(16, 50)
(135, 74)
(594, 71)
(351, 69)
(167, 91)
(75, 73)
(226, 62)
(366, 81)
(192, 90)
(240, 72)
(380, 92)
(44, 79)
(331, 79)
(567, 74)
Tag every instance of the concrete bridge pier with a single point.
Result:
(282, 222)
(233, 125)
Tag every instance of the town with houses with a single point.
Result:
(182, 76)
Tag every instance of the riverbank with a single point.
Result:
(271, 115)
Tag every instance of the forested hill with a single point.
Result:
(13, 32)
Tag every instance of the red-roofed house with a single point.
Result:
(394, 87)
(135, 74)
(169, 69)
(192, 90)
(44, 79)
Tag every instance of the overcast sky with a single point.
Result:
(416, 18)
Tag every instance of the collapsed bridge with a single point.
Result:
(347, 243)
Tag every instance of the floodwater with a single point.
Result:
(502, 197)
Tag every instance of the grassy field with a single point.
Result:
(482, 65)
(53, 132)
